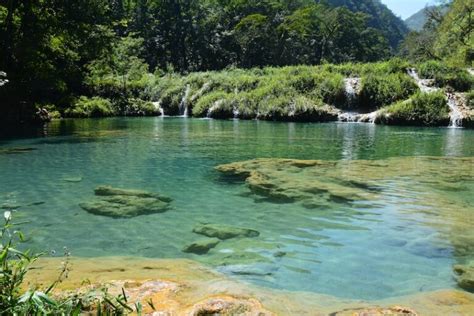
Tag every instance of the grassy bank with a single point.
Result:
(296, 93)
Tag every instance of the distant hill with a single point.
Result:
(419, 19)
(381, 18)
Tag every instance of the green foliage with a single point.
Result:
(454, 77)
(379, 89)
(139, 107)
(470, 99)
(91, 107)
(15, 300)
(429, 109)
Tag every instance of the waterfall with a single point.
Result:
(205, 87)
(348, 117)
(354, 117)
(235, 110)
(352, 88)
(183, 105)
(158, 107)
(425, 85)
(214, 107)
(455, 115)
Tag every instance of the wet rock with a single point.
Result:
(16, 150)
(377, 311)
(465, 276)
(224, 231)
(228, 306)
(121, 203)
(258, 269)
(202, 246)
(9, 206)
(72, 179)
(105, 190)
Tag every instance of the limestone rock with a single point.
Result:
(465, 276)
(202, 246)
(120, 203)
(378, 311)
(15, 150)
(224, 231)
(105, 190)
(228, 306)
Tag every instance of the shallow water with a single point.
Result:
(405, 241)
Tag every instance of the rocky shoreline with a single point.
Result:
(184, 287)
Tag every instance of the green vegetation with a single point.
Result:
(380, 90)
(269, 59)
(56, 52)
(430, 109)
(446, 35)
(455, 77)
(16, 299)
(91, 107)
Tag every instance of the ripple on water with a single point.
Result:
(372, 223)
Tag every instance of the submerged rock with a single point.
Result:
(224, 231)
(202, 246)
(105, 190)
(121, 203)
(465, 276)
(72, 179)
(16, 150)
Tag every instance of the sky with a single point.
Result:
(406, 8)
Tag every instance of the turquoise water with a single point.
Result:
(385, 249)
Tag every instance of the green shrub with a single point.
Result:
(201, 109)
(379, 90)
(91, 107)
(460, 80)
(470, 99)
(139, 107)
(15, 299)
(429, 109)
(446, 76)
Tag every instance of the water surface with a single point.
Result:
(396, 245)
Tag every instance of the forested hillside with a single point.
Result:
(380, 17)
(53, 52)
(417, 21)
(447, 35)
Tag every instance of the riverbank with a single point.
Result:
(184, 287)
(391, 93)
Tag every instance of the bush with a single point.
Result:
(91, 107)
(446, 76)
(379, 90)
(430, 69)
(14, 300)
(139, 107)
(470, 99)
(429, 109)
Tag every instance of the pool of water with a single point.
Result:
(402, 242)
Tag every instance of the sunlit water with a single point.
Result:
(391, 248)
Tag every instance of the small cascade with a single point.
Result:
(158, 107)
(214, 107)
(236, 112)
(205, 87)
(455, 115)
(471, 71)
(348, 117)
(425, 85)
(352, 89)
(354, 117)
(183, 105)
